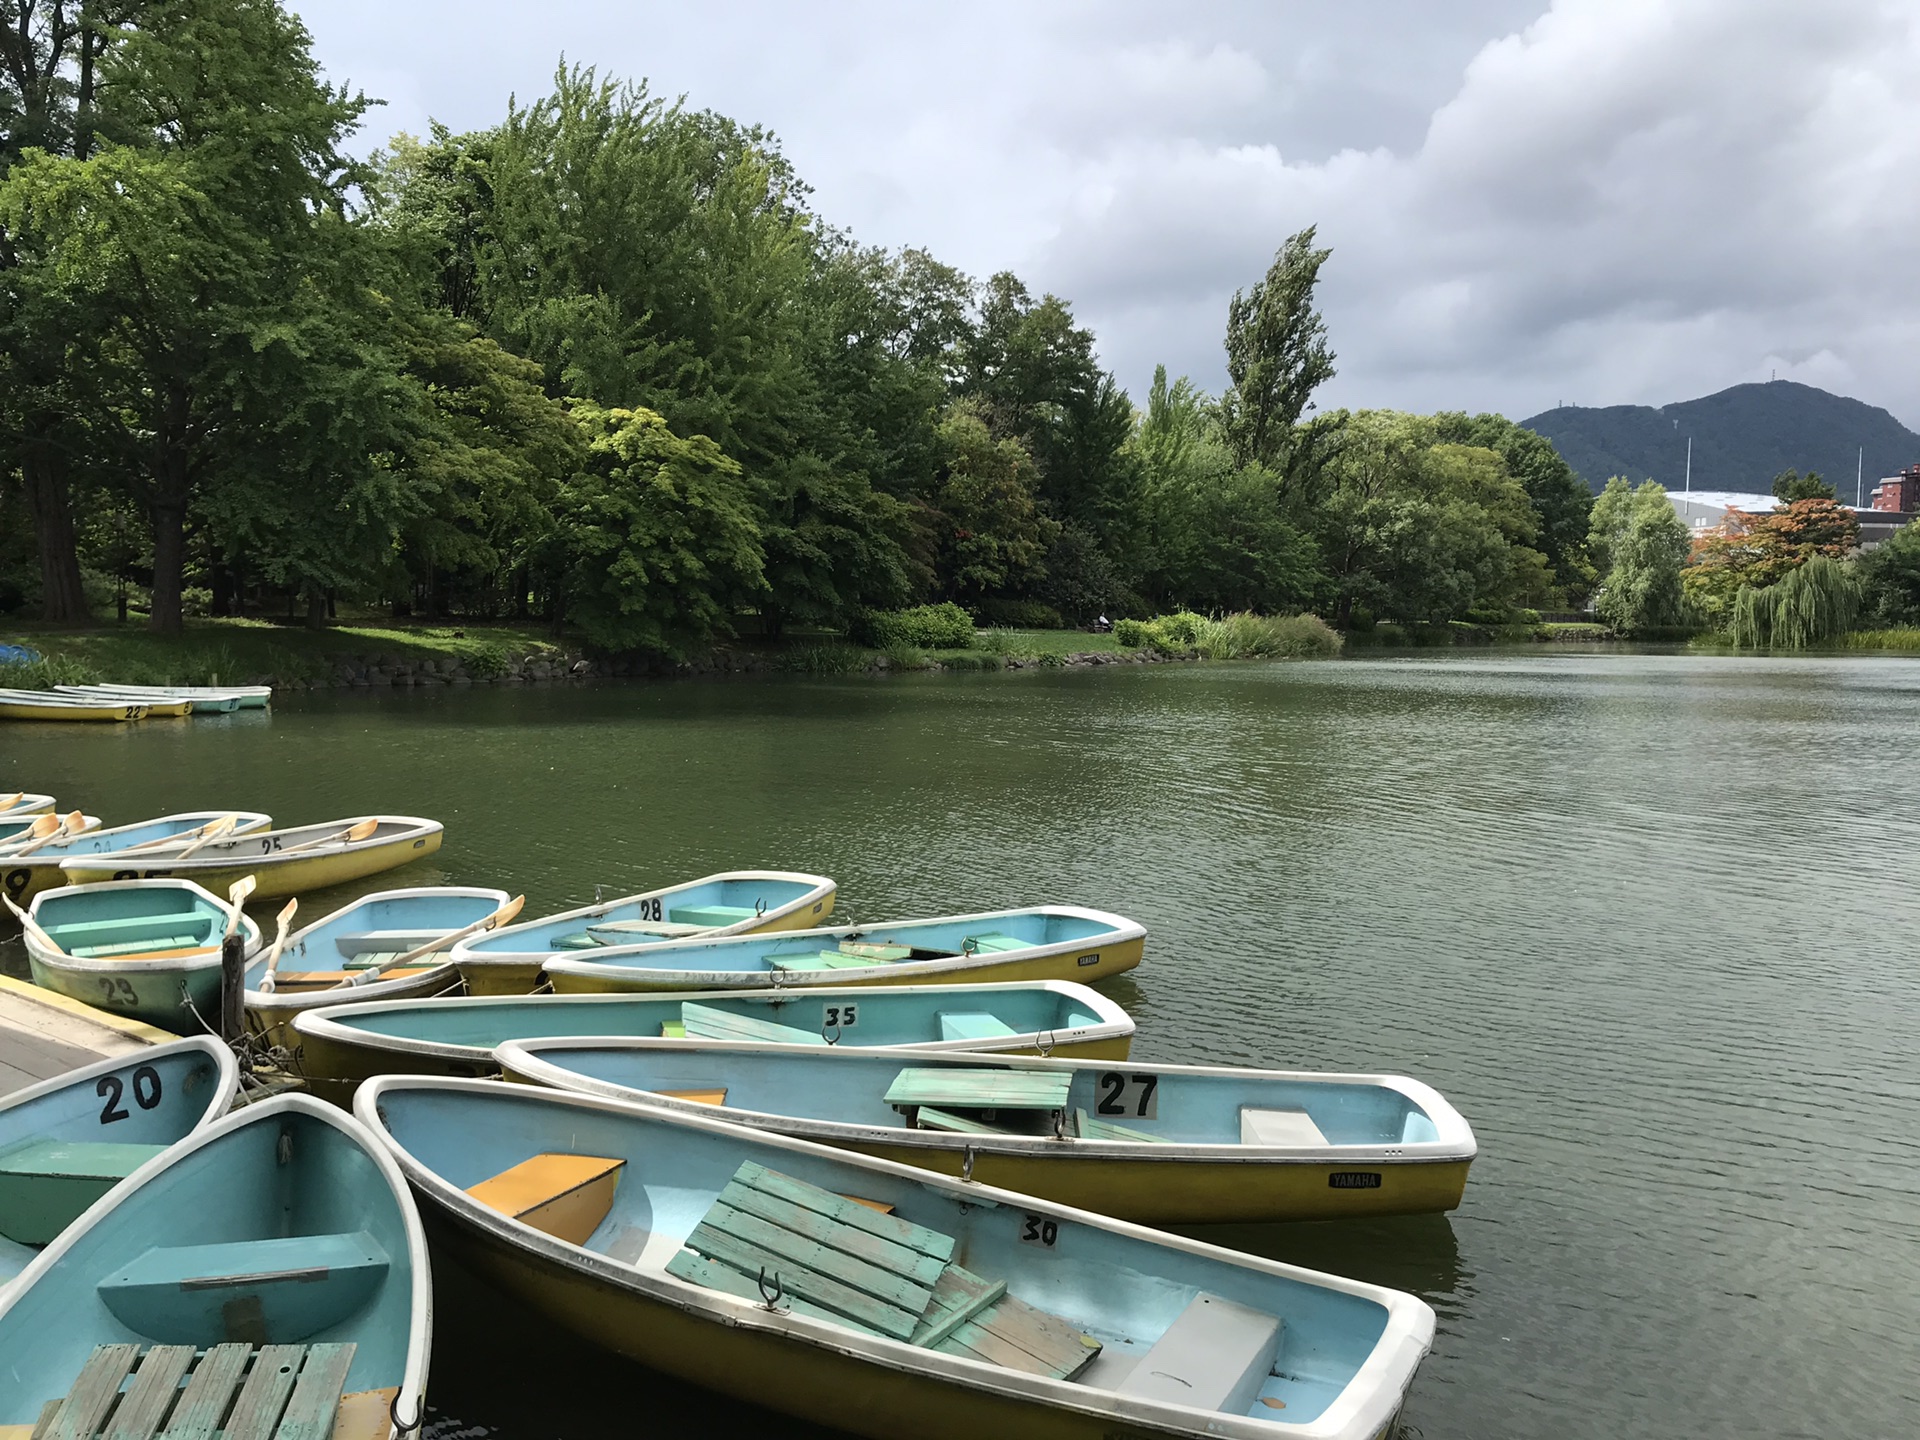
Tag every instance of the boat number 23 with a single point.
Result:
(1135, 1095)
(146, 1093)
(118, 990)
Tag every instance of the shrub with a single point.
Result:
(832, 658)
(1019, 614)
(902, 656)
(1131, 633)
(486, 661)
(1246, 636)
(45, 673)
(930, 627)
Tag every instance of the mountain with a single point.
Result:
(1742, 438)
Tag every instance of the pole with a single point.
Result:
(1859, 472)
(233, 1000)
(1689, 464)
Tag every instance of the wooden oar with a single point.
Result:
(39, 936)
(210, 832)
(353, 834)
(279, 939)
(204, 832)
(65, 830)
(373, 972)
(237, 894)
(43, 828)
(7, 802)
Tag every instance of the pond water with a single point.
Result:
(1648, 920)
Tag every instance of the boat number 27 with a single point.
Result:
(146, 1093)
(1135, 1095)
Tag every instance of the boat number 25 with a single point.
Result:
(1038, 1230)
(1135, 1095)
(840, 1017)
(146, 1093)
(269, 844)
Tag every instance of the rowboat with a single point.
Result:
(42, 705)
(206, 699)
(149, 949)
(1162, 1144)
(17, 833)
(160, 695)
(275, 1253)
(735, 902)
(825, 1284)
(1045, 942)
(326, 962)
(67, 1141)
(285, 862)
(339, 1046)
(19, 803)
(23, 876)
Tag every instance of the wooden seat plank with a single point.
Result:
(981, 1089)
(198, 1414)
(1018, 1336)
(887, 1227)
(799, 1280)
(921, 1269)
(155, 1385)
(1089, 1128)
(93, 1392)
(932, 1117)
(316, 1394)
(960, 1296)
(264, 1395)
(709, 1022)
(685, 1265)
(566, 1196)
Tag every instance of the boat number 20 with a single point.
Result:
(1038, 1230)
(840, 1017)
(146, 1093)
(1135, 1095)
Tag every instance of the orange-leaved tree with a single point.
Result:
(1758, 549)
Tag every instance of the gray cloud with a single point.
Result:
(1605, 201)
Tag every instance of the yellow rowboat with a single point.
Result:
(20, 803)
(338, 1047)
(18, 835)
(1160, 1144)
(24, 876)
(32, 705)
(735, 902)
(1042, 942)
(644, 1230)
(283, 862)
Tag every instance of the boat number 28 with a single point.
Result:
(146, 1093)
(649, 909)
(1135, 1095)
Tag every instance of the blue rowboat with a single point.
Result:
(1044, 942)
(508, 961)
(1162, 1144)
(148, 949)
(16, 803)
(274, 1251)
(886, 1300)
(67, 1141)
(343, 1044)
(338, 950)
(16, 832)
(205, 699)
(26, 876)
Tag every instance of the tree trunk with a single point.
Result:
(169, 565)
(316, 609)
(50, 504)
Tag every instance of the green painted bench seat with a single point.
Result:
(972, 1025)
(285, 1289)
(578, 940)
(706, 1022)
(952, 1086)
(133, 924)
(821, 960)
(45, 1185)
(178, 941)
(1087, 1127)
(279, 1392)
(931, 1117)
(367, 959)
(992, 942)
(711, 916)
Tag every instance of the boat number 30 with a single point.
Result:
(146, 1093)
(1038, 1230)
(840, 1017)
(1135, 1095)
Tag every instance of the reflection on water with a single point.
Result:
(1647, 920)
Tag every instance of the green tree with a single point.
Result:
(1890, 578)
(1641, 591)
(656, 547)
(1791, 485)
(996, 536)
(1277, 356)
(1561, 502)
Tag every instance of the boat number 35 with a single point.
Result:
(1038, 1230)
(840, 1017)
(146, 1093)
(1135, 1095)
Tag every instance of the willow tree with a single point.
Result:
(1809, 606)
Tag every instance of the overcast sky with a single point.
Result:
(1596, 201)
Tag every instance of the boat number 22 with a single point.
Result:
(1135, 1095)
(146, 1093)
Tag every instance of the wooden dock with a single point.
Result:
(43, 1035)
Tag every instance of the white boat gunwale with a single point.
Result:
(329, 1022)
(222, 855)
(226, 1076)
(247, 822)
(1455, 1143)
(411, 1398)
(1359, 1410)
(199, 959)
